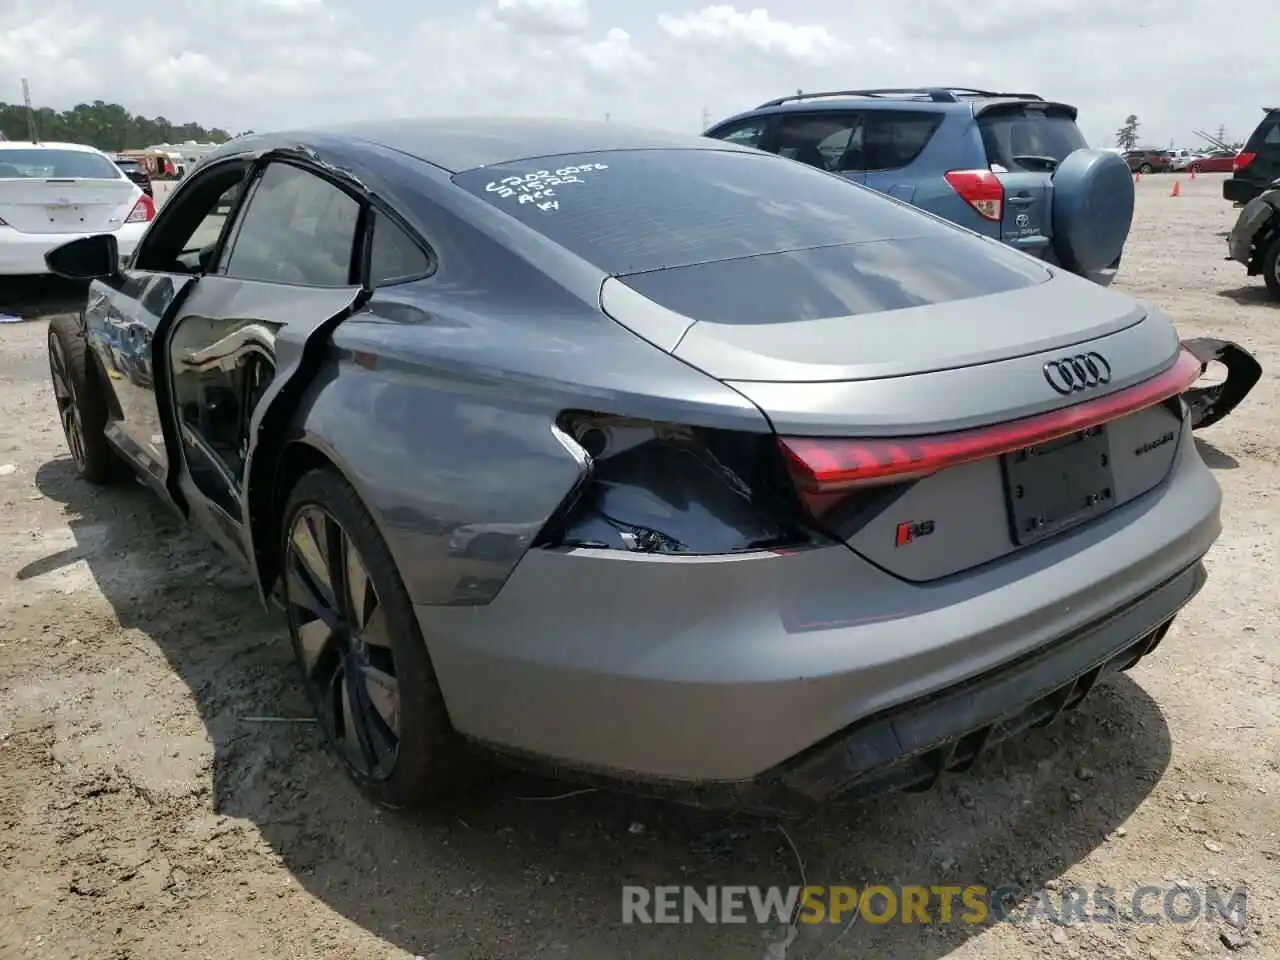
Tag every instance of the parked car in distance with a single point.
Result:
(717, 543)
(1183, 159)
(1219, 161)
(136, 171)
(53, 192)
(1011, 166)
(1148, 161)
(1258, 163)
(1255, 239)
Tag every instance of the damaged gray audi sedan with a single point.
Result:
(643, 456)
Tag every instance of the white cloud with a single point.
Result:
(543, 16)
(265, 63)
(724, 26)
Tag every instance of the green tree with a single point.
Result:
(1127, 136)
(107, 126)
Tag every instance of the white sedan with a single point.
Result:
(54, 192)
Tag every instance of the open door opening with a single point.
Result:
(220, 373)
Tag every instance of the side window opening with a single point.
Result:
(296, 228)
(185, 235)
(394, 255)
(830, 142)
(746, 134)
(895, 138)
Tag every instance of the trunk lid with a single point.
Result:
(939, 366)
(32, 205)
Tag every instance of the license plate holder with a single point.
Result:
(1056, 485)
(65, 214)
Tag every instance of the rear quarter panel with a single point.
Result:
(438, 402)
(957, 145)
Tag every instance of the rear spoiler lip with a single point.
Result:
(1208, 405)
(1048, 106)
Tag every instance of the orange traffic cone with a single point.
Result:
(1193, 173)
(1177, 189)
(1137, 178)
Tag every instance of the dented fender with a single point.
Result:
(1210, 404)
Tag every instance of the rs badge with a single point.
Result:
(912, 530)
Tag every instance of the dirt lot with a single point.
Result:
(146, 813)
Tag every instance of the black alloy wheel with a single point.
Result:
(364, 661)
(64, 393)
(81, 403)
(343, 643)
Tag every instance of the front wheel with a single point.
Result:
(363, 658)
(82, 408)
(1195, 168)
(1271, 266)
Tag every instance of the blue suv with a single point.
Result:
(1011, 166)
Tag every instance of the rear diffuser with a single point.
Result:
(1208, 405)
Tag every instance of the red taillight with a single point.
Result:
(981, 189)
(1242, 160)
(821, 466)
(144, 211)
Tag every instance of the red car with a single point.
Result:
(1220, 161)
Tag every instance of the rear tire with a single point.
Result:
(82, 404)
(1145, 168)
(1195, 168)
(364, 662)
(1271, 266)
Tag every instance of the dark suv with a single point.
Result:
(1011, 166)
(1257, 166)
(136, 171)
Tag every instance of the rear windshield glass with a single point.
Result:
(129, 166)
(1267, 135)
(1027, 138)
(639, 210)
(840, 281)
(50, 163)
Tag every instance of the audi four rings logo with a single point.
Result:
(1081, 372)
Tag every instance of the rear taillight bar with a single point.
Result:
(1242, 160)
(822, 465)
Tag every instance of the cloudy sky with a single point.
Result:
(261, 63)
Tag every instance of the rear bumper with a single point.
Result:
(913, 745)
(1239, 191)
(726, 670)
(22, 254)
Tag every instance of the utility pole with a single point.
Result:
(706, 118)
(32, 133)
(1222, 132)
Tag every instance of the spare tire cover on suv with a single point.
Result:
(1092, 209)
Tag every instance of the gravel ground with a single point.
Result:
(144, 813)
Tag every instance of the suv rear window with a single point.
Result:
(45, 163)
(638, 210)
(1017, 138)
(1267, 135)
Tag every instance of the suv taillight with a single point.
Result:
(981, 189)
(1241, 161)
(144, 211)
